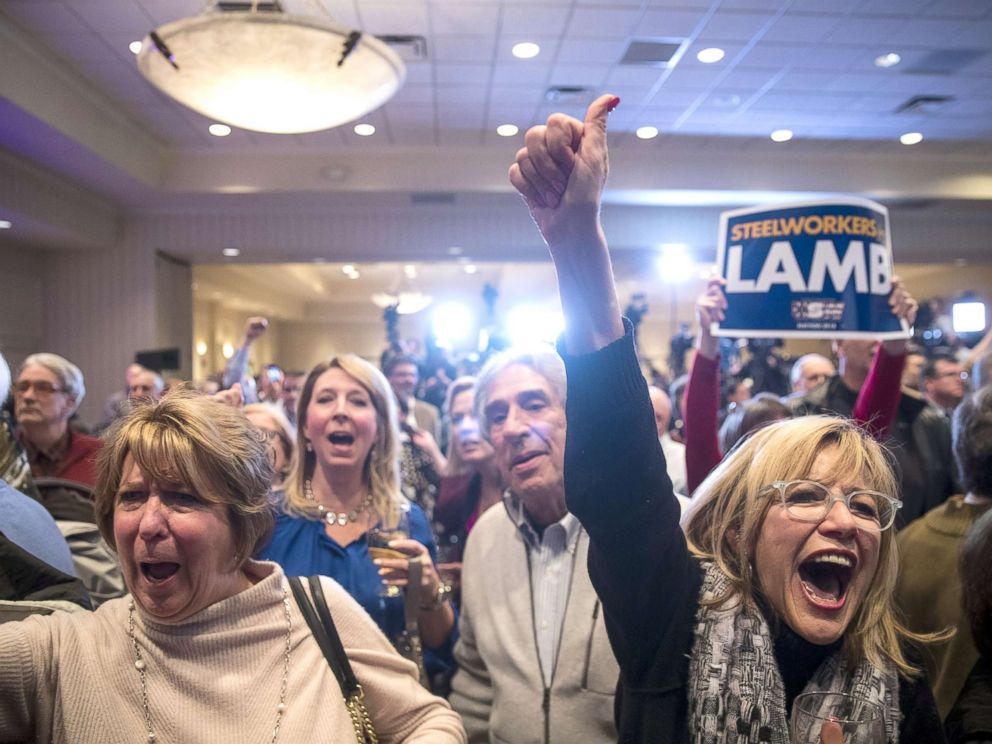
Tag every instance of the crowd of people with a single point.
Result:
(558, 552)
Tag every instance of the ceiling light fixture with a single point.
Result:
(710, 55)
(135, 47)
(269, 71)
(646, 132)
(507, 130)
(406, 303)
(470, 268)
(526, 50)
(364, 130)
(219, 130)
(6, 224)
(911, 138)
(231, 252)
(887, 60)
(781, 135)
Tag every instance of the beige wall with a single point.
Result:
(22, 273)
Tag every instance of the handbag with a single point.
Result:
(326, 634)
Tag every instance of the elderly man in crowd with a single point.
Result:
(809, 372)
(534, 662)
(47, 392)
(146, 385)
(919, 434)
(929, 588)
(943, 379)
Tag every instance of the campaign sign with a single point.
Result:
(809, 270)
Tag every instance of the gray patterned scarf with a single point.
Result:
(736, 693)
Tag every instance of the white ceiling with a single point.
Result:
(73, 104)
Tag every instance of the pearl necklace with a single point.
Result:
(332, 517)
(142, 667)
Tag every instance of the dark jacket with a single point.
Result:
(920, 439)
(970, 720)
(617, 484)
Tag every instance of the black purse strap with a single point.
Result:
(324, 632)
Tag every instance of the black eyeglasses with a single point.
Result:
(809, 501)
(40, 387)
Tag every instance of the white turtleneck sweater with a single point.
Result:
(215, 677)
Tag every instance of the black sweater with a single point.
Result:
(617, 485)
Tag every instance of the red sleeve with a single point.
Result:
(878, 401)
(702, 404)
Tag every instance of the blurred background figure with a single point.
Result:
(944, 381)
(810, 371)
(281, 436)
(970, 720)
(674, 451)
(146, 385)
(403, 374)
(292, 384)
(929, 588)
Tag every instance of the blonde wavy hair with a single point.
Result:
(724, 522)
(205, 445)
(382, 467)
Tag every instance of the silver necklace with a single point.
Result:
(332, 517)
(142, 667)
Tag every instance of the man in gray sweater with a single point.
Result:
(534, 662)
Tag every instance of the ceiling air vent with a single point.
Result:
(944, 61)
(410, 48)
(432, 197)
(925, 105)
(568, 94)
(653, 52)
(233, 6)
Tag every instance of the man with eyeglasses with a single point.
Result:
(47, 392)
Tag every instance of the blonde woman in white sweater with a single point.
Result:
(209, 646)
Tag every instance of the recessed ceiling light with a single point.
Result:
(710, 55)
(6, 224)
(911, 138)
(781, 135)
(411, 271)
(364, 130)
(470, 268)
(526, 50)
(231, 252)
(135, 47)
(507, 130)
(354, 274)
(348, 269)
(887, 60)
(219, 130)
(646, 132)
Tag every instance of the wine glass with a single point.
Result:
(835, 717)
(395, 525)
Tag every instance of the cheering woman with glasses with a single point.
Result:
(782, 582)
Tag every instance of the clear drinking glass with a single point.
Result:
(395, 526)
(836, 718)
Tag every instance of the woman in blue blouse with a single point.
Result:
(344, 480)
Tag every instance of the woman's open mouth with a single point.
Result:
(825, 578)
(156, 573)
(341, 439)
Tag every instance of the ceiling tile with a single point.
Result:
(574, 74)
(464, 18)
(166, 11)
(413, 95)
(511, 73)
(592, 51)
(513, 96)
(393, 17)
(735, 26)
(115, 15)
(902, 8)
(958, 9)
(800, 28)
(520, 22)
(624, 75)
(865, 30)
(462, 74)
(602, 22)
(669, 23)
(419, 73)
(44, 17)
(462, 48)
(931, 34)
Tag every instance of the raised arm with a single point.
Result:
(702, 393)
(615, 477)
(878, 400)
(561, 173)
